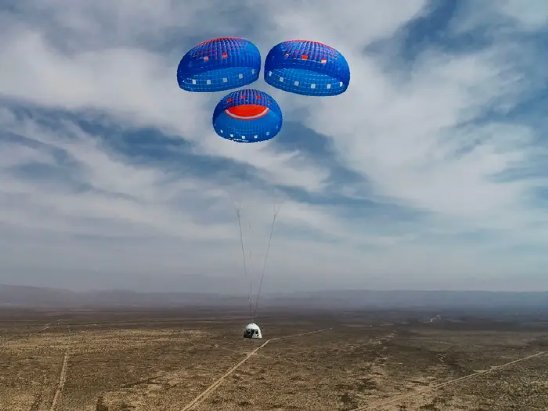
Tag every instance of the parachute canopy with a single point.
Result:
(307, 67)
(219, 64)
(247, 116)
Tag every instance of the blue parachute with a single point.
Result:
(307, 67)
(219, 64)
(247, 116)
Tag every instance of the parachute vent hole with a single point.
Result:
(313, 85)
(240, 75)
(255, 136)
(269, 74)
(328, 86)
(281, 79)
(225, 80)
(296, 82)
(208, 82)
(193, 81)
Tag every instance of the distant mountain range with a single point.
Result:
(25, 296)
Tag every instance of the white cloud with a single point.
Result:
(138, 88)
(416, 140)
(502, 17)
(12, 155)
(409, 131)
(531, 14)
(346, 27)
(125, 201)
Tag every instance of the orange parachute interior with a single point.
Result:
(247, 111)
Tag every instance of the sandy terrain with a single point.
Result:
(180, 360)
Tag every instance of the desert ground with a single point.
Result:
(184, 359)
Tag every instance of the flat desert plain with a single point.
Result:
(185, 359)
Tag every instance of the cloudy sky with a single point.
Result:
(430, 172)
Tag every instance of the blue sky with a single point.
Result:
(430, 172)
